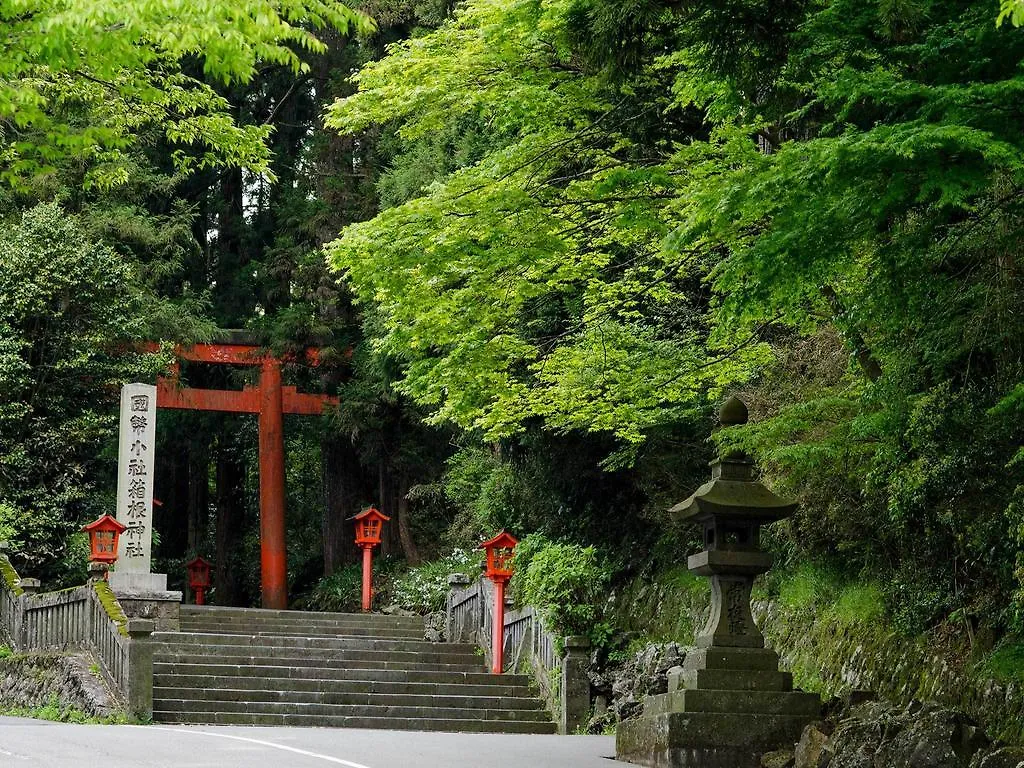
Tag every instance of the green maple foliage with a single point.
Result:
(672, 200)
(139, 64)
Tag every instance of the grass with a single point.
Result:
(845, 602)
(861, 603)
(807, 587)
(1005, 663)
(54, 710)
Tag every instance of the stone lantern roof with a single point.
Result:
(733, 493)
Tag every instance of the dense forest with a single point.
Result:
(538, 243)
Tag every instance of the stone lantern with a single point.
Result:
(729, 703)
(731, 509)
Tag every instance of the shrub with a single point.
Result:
(423, 589)
(564, 581)
(341, 591)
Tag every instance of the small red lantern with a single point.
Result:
(198, 578)
(369, 524)
(500, 551)
(103, 536)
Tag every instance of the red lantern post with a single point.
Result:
(103, 537)
(499, 550)
(198, 578)
(369, 523)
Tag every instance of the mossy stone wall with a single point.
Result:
(34, 680)
(831, 657)
(833, 651)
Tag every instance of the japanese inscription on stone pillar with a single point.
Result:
(135, 464)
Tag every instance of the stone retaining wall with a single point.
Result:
(32, 680)
(834, 658)
(831, 657)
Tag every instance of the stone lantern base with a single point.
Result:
(724, 709)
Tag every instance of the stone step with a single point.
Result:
(189, 612)
(732, 658)
(338, 659)
(218, 628)
(213, 628)
(649, 739)
(351, 621)
(330, 655)
(730, 680)
(748, 702)
(256, 667)
(456, 701)
(276, 678)
(342, 686)
(360, 643)
(342, 710)
(473, 725)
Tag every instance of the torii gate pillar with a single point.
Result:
(273, 553)
(271, 401)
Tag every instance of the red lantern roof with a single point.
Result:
(501, 541)
(105, 523)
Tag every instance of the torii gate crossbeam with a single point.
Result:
(271, 401)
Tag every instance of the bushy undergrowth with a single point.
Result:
(566, 581)
(340, 592)
(423, 589)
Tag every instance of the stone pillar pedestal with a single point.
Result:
(98, 571)
(145, 596)
(140, 668)
(574, 707)
(725, 708)
(456, 581)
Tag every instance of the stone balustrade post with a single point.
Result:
(140, 668)
(30, 586)
(98, 571)
(575, 687)
(455, 581)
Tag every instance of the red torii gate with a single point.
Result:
(271, 401)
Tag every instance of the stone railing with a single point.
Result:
(10, 591)
(528, 648)
(87, 618)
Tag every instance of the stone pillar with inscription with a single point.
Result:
(729, 703)
(142, 594)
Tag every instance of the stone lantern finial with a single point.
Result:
(733, 412)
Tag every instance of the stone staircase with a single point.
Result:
(246, 666)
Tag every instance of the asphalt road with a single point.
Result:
(39, 744)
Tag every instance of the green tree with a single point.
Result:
(682, 203)
(82, 79)
(69, 310)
